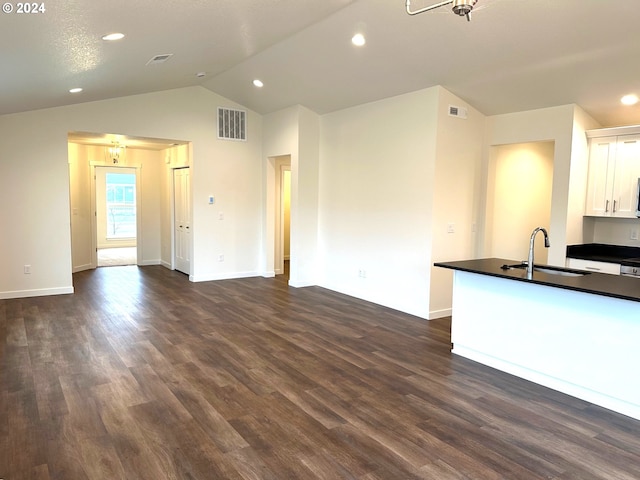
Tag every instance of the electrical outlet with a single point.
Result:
(220, 216)
(27, 269)
(634, 234)
(362, 273)
(451, 227)
(221, 258)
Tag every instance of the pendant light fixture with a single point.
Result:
(460, 7)
(115, 153)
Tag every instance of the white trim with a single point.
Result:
(445, 312)
(82, 268)
(42, 292)
(224, 276)
(613, 131)
(597, 398)
(147, 263)
(137, 166)
(305, 284)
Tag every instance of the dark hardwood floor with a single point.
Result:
(143, 375)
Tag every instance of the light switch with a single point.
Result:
(212, 200)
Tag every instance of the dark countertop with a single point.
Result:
(600, 252)
(626, 288)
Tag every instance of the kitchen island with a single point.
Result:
(576, 334)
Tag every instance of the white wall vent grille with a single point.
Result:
(459, 112)
(232, 124)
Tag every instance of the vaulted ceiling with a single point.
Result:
(513, 55)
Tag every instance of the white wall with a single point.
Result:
(612, 231)
(34, 194)
(81, 211)
(34, 169)
(456, 195)
(305, 179)
(280, 140)
(553, 124)
(293, 132)
(376, 197)
(579, 176)
(520, 181)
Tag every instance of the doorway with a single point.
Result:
(116, 216)
(282, 243)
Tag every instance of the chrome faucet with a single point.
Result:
(531, 245)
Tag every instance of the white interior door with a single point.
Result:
(182, 220)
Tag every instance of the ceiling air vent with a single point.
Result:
(459, 112)
(232, 124)
(160, 59)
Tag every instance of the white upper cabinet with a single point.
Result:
(614, 168)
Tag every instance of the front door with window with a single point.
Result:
(116, 218)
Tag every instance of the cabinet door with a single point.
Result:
(601, 165)
(627, 171)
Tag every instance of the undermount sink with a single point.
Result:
(559, 271)
(550, 270)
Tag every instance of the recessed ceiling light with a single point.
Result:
(75, 90)
(358, 40)
(630, 99)
(258, 83)
(113, 36)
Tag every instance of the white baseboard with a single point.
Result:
(345, 290)
(301, 284)
(166, 264)
(146, 263)
(445, 312)
(82, 268)
(42, 292)
(223, 276)
(617, 405)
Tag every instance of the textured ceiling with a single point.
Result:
(513, 55)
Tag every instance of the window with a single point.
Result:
(121, 205)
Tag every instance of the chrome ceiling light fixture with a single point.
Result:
(114, 153)
(460, 7)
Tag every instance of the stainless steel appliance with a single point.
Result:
(630, 267)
